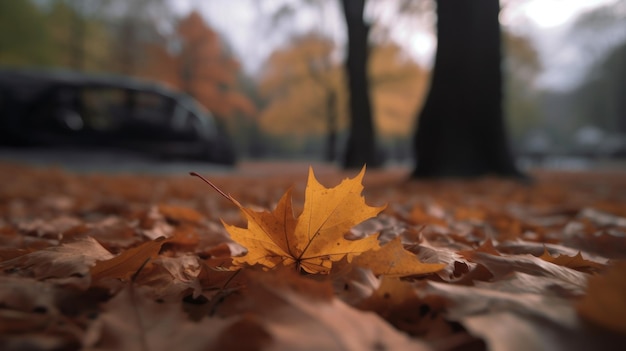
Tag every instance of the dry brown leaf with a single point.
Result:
(128, 262)
(131, 321)
(398, 303)
(605, 301)
(501, 266)
(456, 264)
(62, 261)
(393, 260)
(172, 278)
(36, 331)
(300, 315)
(487, 247)
(576, 262)
(181, 214)
(27, 295)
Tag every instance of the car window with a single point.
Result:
(152, 108)
(103, 109)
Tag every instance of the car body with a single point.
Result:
(61, 108)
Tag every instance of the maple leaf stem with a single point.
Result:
(136, 274)
(230, 279)
(212, 185)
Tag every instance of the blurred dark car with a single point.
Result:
(59, 108)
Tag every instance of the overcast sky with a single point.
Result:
(546, 22)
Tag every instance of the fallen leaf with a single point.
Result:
(131, 321)
(393, 260)
(397, 301)
(518, 282)
(36, 331)
(316, 238)
(487, 247)
(509, 331)
(312, 319)
(172, 278)
(576, 262)
(28, 295)
(468, 300)
(605, 301)
(128, 262)
(62, 261)
(49, 229)
(456, 264)
(179, 214)
(501, 266)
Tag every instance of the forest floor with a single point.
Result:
(145, 262)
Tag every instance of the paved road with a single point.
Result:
(126, 162)
(105, 161)
(92, 161)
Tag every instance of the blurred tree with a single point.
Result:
(361, 144)
(601, 99)
(134, 26)
(363, 38)
(207, 70)
(306, 93)
(24, 39)
(461, 127)
(302, 85)
(398, 86)
(81, 40)
(200, 65)
(521, 68)
(55, 33)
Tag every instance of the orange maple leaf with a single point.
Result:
(393, 260)
(313, 240)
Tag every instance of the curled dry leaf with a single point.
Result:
(503, 265)
(171, 278)
(62, 261)
(576, 262)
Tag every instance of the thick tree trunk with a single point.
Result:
(361, 145)
(461, 130)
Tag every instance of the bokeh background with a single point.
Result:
(273, 72)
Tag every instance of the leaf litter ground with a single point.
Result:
(137, 262)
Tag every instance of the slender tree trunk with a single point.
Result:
(361, 146)
(331, 111)
(461, 130)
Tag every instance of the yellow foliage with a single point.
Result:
(298, 79)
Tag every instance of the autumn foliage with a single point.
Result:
(298, 79)
(155, 263)
(201, 67)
